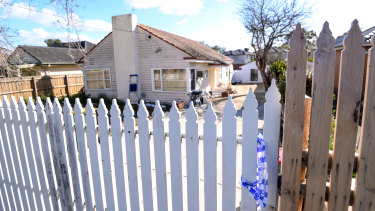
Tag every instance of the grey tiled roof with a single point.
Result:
(54, 55)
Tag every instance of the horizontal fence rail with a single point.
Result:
(59, 157)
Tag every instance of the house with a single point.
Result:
(339, 47)
(58, 59)
(240, 57)
(168, 66)
(248, 73)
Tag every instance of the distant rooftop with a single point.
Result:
(244, 51)
(368, 33)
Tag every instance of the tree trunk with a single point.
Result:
(267, 78)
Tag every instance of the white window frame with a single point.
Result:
(103, 70)
(161, 79)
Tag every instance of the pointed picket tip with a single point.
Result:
(326, 41)
(6, 102)
(89, 107)
(67, 107)
(13, 103)
(354, 38)
(158, 112)
(250, 102)
(298, 37)
(30, 104)
(372, 40)
(128, 110)
(210, 115)
(142, 110)
(78, 107)
(49, 106)
(229, 109)
(273, 94)
(22, 104)
(191, 114)
(115, 110)
(102, 110)
(57, 107)
(174, 113)
(39, 105)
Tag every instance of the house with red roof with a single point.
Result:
(165, 66)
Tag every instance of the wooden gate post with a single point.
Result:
(67, 85)
(35, 91)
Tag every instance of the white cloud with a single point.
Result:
(37, 36)
(222, 0)
(169, 7)
(185, 20)
(49, 17)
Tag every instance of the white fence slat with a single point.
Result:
(229, 156)
(83, 155)
(3, 198)
(192, 168)
(118, 154)
(46, 149)
(129, 130)
(14, 151)
(160, 165)
(92, 139)
(72, 154)
(175, 157)
(5, 159)
(20, 146)
(271, 131)
(249, 148)
(61, 150)
(144, 148)
(29, 153)
(210, 159)
(37, 152)
(105, 146)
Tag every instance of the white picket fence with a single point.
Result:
(55, 159)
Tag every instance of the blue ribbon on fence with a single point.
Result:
(259, 188)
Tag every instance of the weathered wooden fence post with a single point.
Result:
(35, 88)
(66, 79)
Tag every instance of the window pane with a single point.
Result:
(106, 74)
(157, 85)
(254, 75)
(174, 74)
(177, 86)
(92, 84)
(156, 74)
(94, 74)
(107, 84)
(100, 85)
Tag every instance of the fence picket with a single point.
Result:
(8, 195)
(144, 148)
(44, 134)
(83, 155)
(271, 132)
(72, 154)
(105, 145)
(29, 153)
(321, 112)
(210, 159)
(129, 130)
(38, 156)
(293, 121)
(365, 197)
(348, 108)
(229, 156)
(3, 198)
(118, 154)
(175, 157)
(192, 168)
(13, 149)
(96, 172)
(249, 148)
(160, 165)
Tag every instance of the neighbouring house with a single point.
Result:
(240, 57)
(339, 47)
(168, 66)
(248, 74)
(59, 59)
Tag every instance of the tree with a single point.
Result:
(50, 42)
(268, 22)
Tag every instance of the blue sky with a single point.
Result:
(212, 21)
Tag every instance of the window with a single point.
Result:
(170, 80)
(202, 74)
(98, 79)
(254, 75)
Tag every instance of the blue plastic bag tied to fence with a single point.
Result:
(259, 188)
